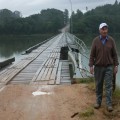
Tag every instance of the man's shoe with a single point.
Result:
(97, 106)
(110, 108)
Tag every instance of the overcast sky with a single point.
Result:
(29, 7)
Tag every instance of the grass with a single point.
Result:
(91, 86)
(84, 80)
(87, 113)
(116, 93)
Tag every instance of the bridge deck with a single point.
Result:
(42, 66)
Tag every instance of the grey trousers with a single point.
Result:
(104, 74)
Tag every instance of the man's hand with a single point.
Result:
(91, 70)
(115, 70)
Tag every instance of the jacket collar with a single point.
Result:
(101, 38)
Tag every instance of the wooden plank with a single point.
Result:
(24, 76)
(6, 75)
(41, 74)
(59, 74)
(49, 74)
(7, 62)
(52, 63)
(56, 63)
(41, 82)
(51, 55)
(53, 76)
(38, 71)
(49, 63)
(45, 74)
(54, 71)
(36, 74)
(21, 79)
(5, 72)
(23, 65)
(6, 79)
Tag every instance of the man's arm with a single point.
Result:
(92, 57)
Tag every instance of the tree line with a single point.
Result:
(88, 22)
(51, 20)
(47, 21)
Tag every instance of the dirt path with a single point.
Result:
(17, 102)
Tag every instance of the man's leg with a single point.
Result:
(99, 79)
(108, 85)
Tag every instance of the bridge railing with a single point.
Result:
(79, 43)
(82, 57)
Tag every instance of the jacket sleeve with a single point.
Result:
(92, 54)
(114, 54)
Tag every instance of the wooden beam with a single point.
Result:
(7, 62)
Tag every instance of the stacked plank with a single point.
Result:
(48, 70)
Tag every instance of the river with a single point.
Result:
(15, 45)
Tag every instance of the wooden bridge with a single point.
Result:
(56, 61)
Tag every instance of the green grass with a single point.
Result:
(84, 80)
(116, 93)
(88, 112)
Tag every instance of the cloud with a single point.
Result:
(37, 2)
(28, 7)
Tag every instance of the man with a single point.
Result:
(104, 58)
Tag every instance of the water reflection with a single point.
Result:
(13, 46)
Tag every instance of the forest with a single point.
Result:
(52, 20)
(47, 21)
(88, 23)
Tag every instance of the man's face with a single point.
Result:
(104, 31)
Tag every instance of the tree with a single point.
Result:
(17, 14)
(116, 2)
(89, 22)
(48, 21)
(66, 16)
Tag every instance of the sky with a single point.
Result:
(29, 7)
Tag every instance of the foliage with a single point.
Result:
(7, 15)
(85, 80)
(89, 22)
(48, 21)
(116, 94)
(66, 17)
(88, 112)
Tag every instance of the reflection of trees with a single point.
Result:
(17, 44)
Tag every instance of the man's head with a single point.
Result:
(103, 28)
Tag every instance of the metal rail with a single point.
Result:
(80, 63)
